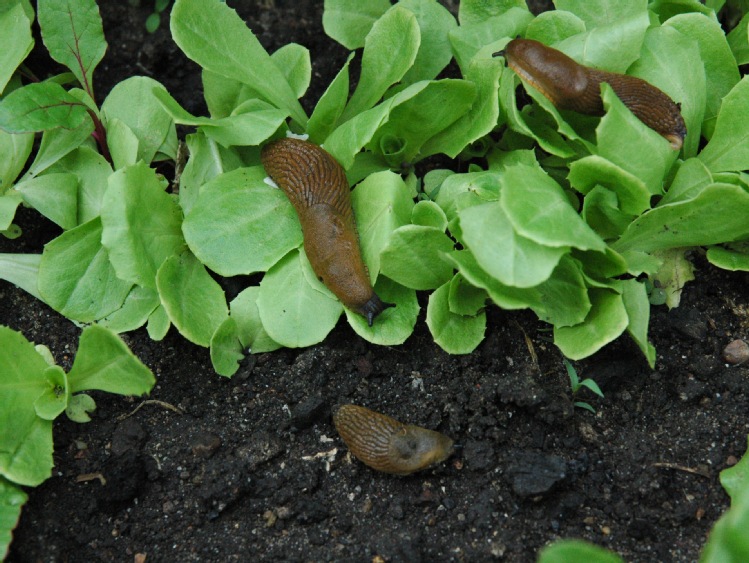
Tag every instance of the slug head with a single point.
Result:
(373, 307)
(413, 448)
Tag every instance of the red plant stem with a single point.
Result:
(100, 135)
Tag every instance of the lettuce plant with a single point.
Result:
(570, 216)
(36, 391)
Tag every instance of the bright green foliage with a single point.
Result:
(215, 37)
(12, 499)
(573, 551)
(193, 300)
(558, 212)
(35, 393)
(455, 333)
(73, 35)
(18, 41)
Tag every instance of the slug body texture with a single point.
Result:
(572, 86)
(387, 445)
(317, 187)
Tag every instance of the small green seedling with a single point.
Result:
(576, 385)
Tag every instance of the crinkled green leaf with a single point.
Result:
(194, 301)
(79, 406)
(465, 298)
(738, 41)
(540, 211)
(330, 106)
(509, 257)
(690, 179)
(381, 203)
(226, 348)
(417, 120)
(630, 144)
(480, 120)
(728, 148)
(123, 144)
(294, 312)
(41, 106)
(413, 257)
(54, 400)
(224, 94)
(670, 60)
(244, 311)
(214, 36)
(135, 310)
(349, 22)
(73, 34)
(480, 39)
(8, 205)
(389, 51)
(633, 197)
(17, 41)
(729, 258)
(134, 102)
(476, 11)
(158, 323)
(93, 172)
(674, 273)
(459, 189)
(395, 324)
(604, 323)
(636, 303)
(26, 440)
(428, 214)
(569, 551)
(16, 148)
(251, 123)
(12, 499)
(141, 224)
(21, 270)
(240, 225)
(293, 60)
(614, 33)
(716, 215)
(345, 142)
(53, 195)
(105, 363)
(435, 22)
(721, 73)
(207, 160)
(554, 26)
(76, 277)
(455, 334)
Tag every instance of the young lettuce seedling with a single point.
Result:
(36, 391)
(577, 385)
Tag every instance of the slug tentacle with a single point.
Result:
(317, 187)
(570, 85)
(387, 445)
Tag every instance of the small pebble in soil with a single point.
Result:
(204, 444)
(736, 352)
(532, 473)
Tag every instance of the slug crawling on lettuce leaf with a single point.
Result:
(572, 86)
(317, 187)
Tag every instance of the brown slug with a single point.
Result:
(570, 85)
(387, 445)
(317, 187)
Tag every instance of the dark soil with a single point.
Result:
(251, 468)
